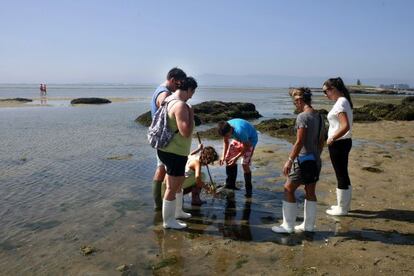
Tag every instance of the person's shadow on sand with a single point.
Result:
(390, 214)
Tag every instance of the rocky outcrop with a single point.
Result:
(375, 91)
(210, 134)
(216, 111)
(383, 111)
(213, 111)
(20, 100)
(144, 119)
(90, 101)
(282, 128)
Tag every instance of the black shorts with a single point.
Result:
(175, 163)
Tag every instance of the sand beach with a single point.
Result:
(73, 204)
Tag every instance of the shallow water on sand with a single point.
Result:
(82, 175)
(71, 176)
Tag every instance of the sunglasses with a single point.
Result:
(326, 90)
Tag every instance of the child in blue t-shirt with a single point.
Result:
(244, 140)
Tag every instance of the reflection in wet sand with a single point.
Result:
(43, 100)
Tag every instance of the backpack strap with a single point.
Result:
(169, 107)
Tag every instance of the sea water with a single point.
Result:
(75, 175)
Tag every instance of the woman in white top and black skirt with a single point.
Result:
(340, 142)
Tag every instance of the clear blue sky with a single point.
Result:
(138, 41)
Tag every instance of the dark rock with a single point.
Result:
(408, 100)
(284, 128)
(216, 111)
(213, 112)
(210, 134)
(22, 100)
(378, 111)
(90, 101)
(374, 91)
(401, 113)
(360, 116)
(144, 119)
(372, 169)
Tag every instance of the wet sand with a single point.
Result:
(229, 234)
(377, 237)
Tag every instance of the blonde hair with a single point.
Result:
(301, 93)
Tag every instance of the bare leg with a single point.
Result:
(173, 186)
(289, 190)
(310, 192)
(156, 187)
(159, 173)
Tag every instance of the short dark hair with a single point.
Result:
(223, 128)
(189, 83)
(177, 74)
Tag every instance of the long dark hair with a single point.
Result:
(340, 86)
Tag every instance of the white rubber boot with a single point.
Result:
(309, 217)
(168, 211)
(349, 201)
(349, 197)
(343, 196)
(289, 210)
(179, 213)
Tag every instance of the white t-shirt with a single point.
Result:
(341, 105)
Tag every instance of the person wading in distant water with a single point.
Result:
(174, 78)
(340, 142)
(174, 155)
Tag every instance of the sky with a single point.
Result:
(125, 41)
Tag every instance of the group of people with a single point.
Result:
(179, 170)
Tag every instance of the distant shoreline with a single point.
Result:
(373, 90)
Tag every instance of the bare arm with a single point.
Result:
(225, 149)
(241, 153)
(300, 138)
(343, 128)
(195, 165)
(185, 118)
(198, 149)
(161, 97)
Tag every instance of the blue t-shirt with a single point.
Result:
(160, 89)
(243, 131)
